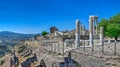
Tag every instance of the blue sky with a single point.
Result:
(34, 16)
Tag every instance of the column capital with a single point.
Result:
(93, 17)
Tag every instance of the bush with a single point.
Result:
(1, 62)
(44, 33)
(20, 49)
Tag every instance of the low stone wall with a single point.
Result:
(87, 61)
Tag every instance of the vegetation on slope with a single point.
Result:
(1, 62)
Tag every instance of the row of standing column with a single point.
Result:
(57, 47)
(92, 20)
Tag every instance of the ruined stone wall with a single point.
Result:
(87, 61)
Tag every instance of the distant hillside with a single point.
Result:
(10, 39)
(12, 35)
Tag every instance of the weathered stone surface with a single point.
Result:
(77, 41)
(87, 61)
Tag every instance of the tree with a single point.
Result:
(114, 26)
(103, 23)
(111, 26)
(113, 30)
(44, 33)
(115, 19)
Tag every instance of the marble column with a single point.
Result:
(80, 28)
(52, 47)
(77, 42)
(102, 39)
(93, 22)
(58, 48)
(96, 27)
(63, 46)
(55, 47)
(91, 30)
(101, 35)
(49, 45)
(83, 30)
(45, 44)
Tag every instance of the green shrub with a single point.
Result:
(20, 49)
(1, 62)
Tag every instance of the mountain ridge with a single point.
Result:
(10, 39)
(12, 32)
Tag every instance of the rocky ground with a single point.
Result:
(6, 60)
(111, 60)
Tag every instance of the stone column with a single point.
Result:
(102, 39)
(80, 28)
(55, 47)
(49, 44)
(77, 42)
(93, 22)
(51, 47)
(91, 30)
(101, 35)
(63, 46)
(83, 30)
(58, 48)
(96, 27)
(45, 44)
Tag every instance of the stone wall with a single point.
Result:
(86, 60)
